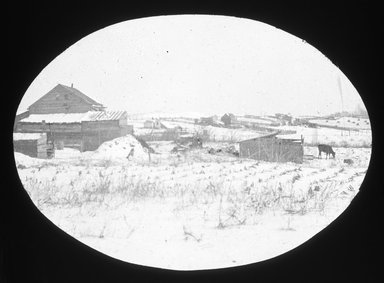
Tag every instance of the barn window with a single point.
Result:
(66, 96)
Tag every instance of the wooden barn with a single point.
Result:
(153, 124)
(64, 99)
(72, 119)
(209, 120)
(83, 131)
(32, 144)
(272, 148)
(285, 119)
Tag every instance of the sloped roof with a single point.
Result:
(27, 136)
(63, 89)
(80, 94)
(292, 138)
(262, 137)
(104, 115)
(66, 118)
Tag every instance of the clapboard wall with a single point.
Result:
(272, 149)
(32, 147)
(84, 136)
(62, 99)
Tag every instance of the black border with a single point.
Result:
(34, 250)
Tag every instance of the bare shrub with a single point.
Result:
(325, 193)
(189, 234)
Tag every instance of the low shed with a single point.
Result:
(273, 149)
(31, 144)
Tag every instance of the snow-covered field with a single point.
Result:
(333, 137)
(214, 133)
(359, 135)
(190, 211)
(347, 122)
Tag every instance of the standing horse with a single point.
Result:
(327, 149)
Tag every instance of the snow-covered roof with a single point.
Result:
(278, 135)
(67, 118)
(289, 136)
(27, 136)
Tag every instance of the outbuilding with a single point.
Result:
(272, 148)
(33, 145)
(152, 124)
(228, 119)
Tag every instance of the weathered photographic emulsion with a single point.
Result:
(192, 142)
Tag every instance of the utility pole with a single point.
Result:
(341, 97)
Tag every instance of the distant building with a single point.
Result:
(285, 119)
(152, 124)
(273, 149)
(228, 119)
(209, 120)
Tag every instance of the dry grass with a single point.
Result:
(223, 202)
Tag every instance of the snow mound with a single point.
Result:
(66, 153)
(24, 161)
(120, 148)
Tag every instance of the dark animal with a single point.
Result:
(348, 161)
(327, 149)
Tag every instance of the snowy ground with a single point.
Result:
(190, 211)
(333, 137)
(214, 133)
(359, 134)
(348, 122)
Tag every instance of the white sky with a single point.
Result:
(198, 63)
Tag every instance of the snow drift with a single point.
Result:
(25, 161)
(119, 148)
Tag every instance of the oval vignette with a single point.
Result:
(192, 142)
